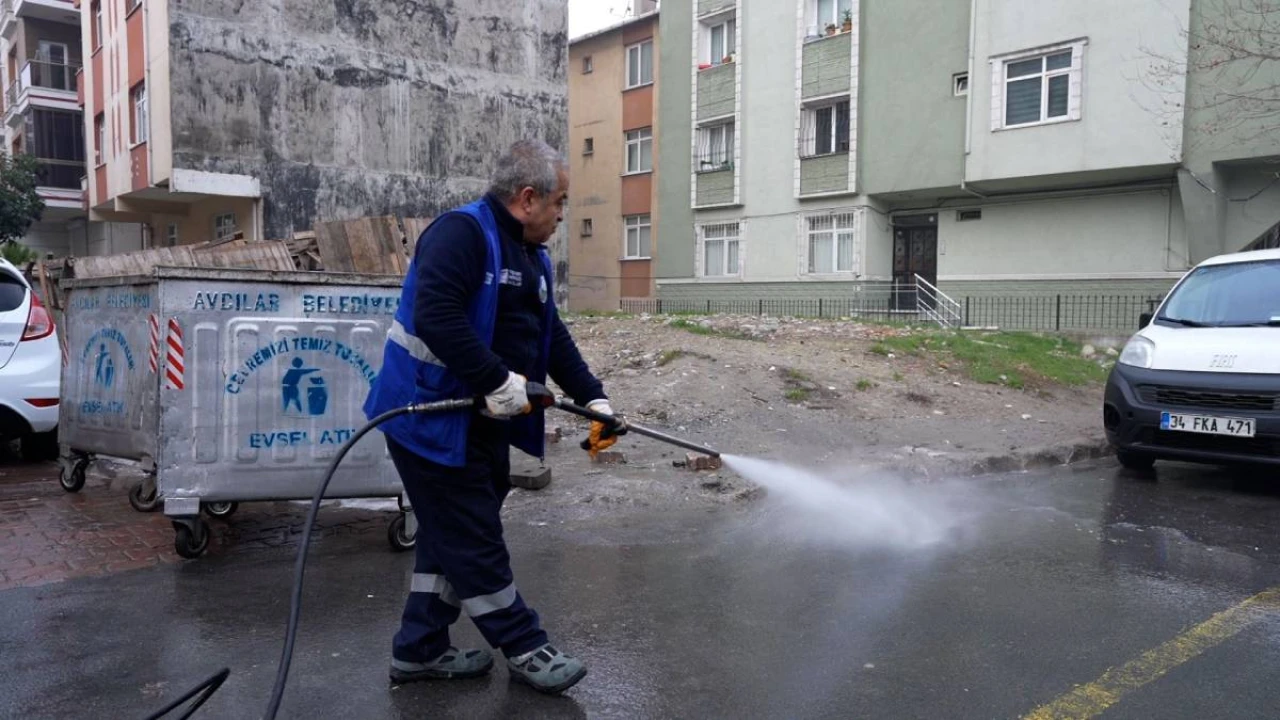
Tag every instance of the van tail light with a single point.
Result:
(39, 321)
(42, 402)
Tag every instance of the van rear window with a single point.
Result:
(12, 292)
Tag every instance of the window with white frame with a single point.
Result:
(822, 14)
(172, 239)
(720, 245)
(98, 27)
(141, 114)
(587, 65)
(832, 243)
(640, 151)
(715, 147)
(224, 226)
(719, 41)
(825, 128)
(638, 236)
(960, 84)
(100, 132)
(640, 64)
(1039, 88)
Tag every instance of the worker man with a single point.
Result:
(477, 318)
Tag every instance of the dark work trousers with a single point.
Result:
(462, 561)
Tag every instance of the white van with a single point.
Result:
(1200, 381)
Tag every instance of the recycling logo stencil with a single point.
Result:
(106, 357)
(301, 389)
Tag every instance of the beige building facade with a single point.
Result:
(613, 133)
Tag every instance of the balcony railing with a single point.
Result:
(62, 174)
(41, 74)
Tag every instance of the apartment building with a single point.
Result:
(613, 129)
(213, 118)
(983, 145)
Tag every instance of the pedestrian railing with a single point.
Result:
(936, 306)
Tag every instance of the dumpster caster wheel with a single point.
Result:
(191, 538)
(72, 479)
(221, 509)
(397, 537)
(142, 500)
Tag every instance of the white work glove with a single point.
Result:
(509, 400)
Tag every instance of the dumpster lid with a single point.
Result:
(267, 277)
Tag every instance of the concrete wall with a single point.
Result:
(197, 225)
(912, 125)
(101, 238)
(1115, 234)
(349, 109)
(1118, 126)
(674, 146)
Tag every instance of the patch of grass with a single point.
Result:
(864, 385)
(696, 329)
(897, 377)
(669, 356)
(798, 394)
(880, 349)
(1014, 359)
(795, 375)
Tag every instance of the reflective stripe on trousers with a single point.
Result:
(474, 607)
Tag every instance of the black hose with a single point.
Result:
(209, 687)
(295, 602)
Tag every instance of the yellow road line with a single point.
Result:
(1087, 701)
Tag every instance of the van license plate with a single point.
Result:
(1207, 425)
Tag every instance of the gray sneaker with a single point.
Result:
(453, 663)
(547, 670)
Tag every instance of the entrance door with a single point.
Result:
(915, 252)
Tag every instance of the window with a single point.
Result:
(97, 24)
(640, 64)
(832, 242)
(588, 146)
(224, 227)
(640, 151)
(172, 238)
(1037, 89)
(822, 14)
(715, 147)
(587, 66)
(960, 84)
(587, 228)
(141, 118)
(825, 129)
(100, 133)
(719, 42)
(968, 215)
(720, 250)
(638, 235)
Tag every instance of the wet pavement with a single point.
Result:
(1046, 582)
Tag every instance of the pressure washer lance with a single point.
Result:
(540, 398)
(618, 424)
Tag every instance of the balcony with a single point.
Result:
(41, 84)
(59, 11)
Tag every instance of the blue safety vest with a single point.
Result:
(412, 374)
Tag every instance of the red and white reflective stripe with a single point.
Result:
(174, 358)
(154, 358)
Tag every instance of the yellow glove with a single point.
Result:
(602, 436)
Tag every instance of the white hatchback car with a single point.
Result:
(30, 367)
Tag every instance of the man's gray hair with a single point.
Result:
(527, 163)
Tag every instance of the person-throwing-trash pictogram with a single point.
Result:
(292, 379)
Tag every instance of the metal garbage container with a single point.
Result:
(228, 386)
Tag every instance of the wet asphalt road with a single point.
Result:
(1051, 580)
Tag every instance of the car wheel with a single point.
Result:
(1136, 461)
(40, 447)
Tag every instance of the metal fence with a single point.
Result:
(1046, 313)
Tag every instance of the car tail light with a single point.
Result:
(39, 321)
(42, 402)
